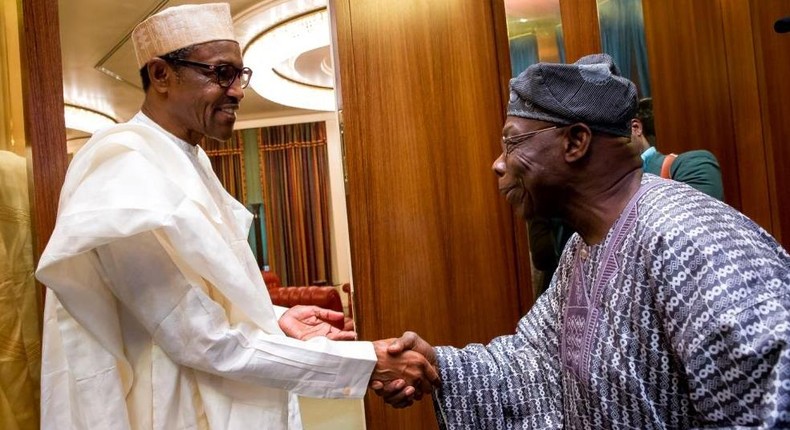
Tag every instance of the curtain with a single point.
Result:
(227, 160)
(294, 178)
(623, 37)
(560, 42)
(523, 52)
(257, 235)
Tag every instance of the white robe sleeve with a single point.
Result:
(194, 330)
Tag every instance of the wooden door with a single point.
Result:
(432, 242)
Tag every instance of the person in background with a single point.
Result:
(698, 168)
(547, 239)
(20, 328)
(156, 315)
(669, 308)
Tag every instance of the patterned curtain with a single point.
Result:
(227, 160)
(294, 179)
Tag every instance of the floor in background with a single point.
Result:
(332, 414)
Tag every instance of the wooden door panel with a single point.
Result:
(773, 69)
(690, 83)
(433, 246)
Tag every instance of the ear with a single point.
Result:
(577, 142)
(636, 127)
(161, 75)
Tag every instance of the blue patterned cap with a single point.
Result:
(590, 90)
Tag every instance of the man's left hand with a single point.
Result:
(305, 322)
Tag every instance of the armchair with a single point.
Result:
(325, 297)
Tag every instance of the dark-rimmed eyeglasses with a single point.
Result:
(510, 143)
(226, 73)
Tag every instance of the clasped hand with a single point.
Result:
(405, 370)
(405, 367)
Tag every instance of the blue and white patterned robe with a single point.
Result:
(679, 319)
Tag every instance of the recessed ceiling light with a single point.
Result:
(86, 120)
(287, 40)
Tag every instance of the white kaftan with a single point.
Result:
(160, 318)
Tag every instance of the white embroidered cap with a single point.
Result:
(181, 26)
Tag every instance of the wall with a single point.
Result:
(718, 73)
(772, 63)
(719, 83)
(12, 128)
(42, 97)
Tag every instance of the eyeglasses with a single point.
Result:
(226, 73)
(510, 143)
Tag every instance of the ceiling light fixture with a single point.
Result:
(281, 45)
(86, 120)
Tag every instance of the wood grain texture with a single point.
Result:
(580, 28)
(433, 245)
(773, 70)
(45, 129)
(720, 83)
(690, 79)
(756, 201)
(526, 295)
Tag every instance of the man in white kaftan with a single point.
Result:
(157, 316)
(669, 309)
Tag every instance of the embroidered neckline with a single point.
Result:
(587, 284)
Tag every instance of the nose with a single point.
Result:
(235, 89)
(499, 166)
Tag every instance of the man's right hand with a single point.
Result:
(401, 392)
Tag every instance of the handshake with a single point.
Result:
(405, 369)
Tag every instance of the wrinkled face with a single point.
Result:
(527, 166)
(197, 101)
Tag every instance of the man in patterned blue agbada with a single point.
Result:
(669, 309)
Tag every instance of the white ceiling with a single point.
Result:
(99, 69)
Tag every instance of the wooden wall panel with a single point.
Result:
(745, 104)
(580, 28)
(45, 129)
(526, 294)
(433, 244)
(720, 83)
(690, 83)
(773, 70)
